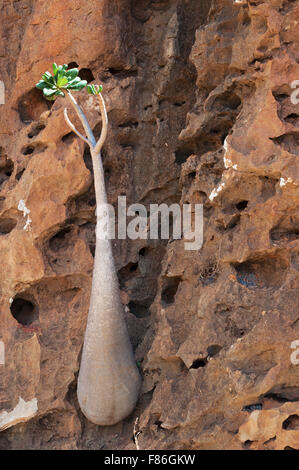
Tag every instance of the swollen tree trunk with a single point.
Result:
(109, 381)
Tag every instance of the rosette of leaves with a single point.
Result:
(94, 89)
(60, 82)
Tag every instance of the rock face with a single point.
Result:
(201, 110)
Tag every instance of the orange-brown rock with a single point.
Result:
(200, 110)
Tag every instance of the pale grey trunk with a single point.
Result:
(109, 381)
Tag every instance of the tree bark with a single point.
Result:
(109, 381)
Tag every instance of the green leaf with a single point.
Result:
(91, 89)
(47, 77)
(55, 68)
(94, 89)
(77, 86)
(59, 93)
(61, 81)
(72, 73)
(41, 85)
(49, 92)
(74, 80)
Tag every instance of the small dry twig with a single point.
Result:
(136, 434)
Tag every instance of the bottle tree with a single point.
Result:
(108, 381)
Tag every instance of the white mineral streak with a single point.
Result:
(22, 207)
(254, 428)
(22, 412)
(28, 223)
(227, 161)
(283, 181)
(216, 191)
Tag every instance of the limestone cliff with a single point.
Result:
(199, 103)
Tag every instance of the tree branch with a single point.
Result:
(82, 118)
(103, 136)
(71, 125)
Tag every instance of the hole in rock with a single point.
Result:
(68, 138)
(73, 65)
(181, 155)
(24, 311)
(226, 101)
(127, 273)
(292, 118)
(259, 273)
(133, 267)
(250, 408)
(86, 74)
(30, 149)
(241, 205)
(209, 274)
(272, 439)
(6, 169)
(7, 225)
(144, 251)
(131, 124)
(20, 174)
(60, 240)
(36, 130)
(199, 363)
(139, 310)
(289, 142)
(114, 71)
(280, 96)
(247, 444)
(179, 103)
(285, 231)
(246, 20)
(169, 289)
(291, 423)
(31, 105)
(275, 397)
(233, 222)
(107, 171)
